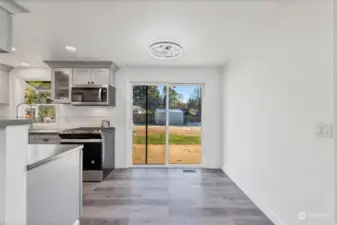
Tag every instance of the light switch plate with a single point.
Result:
(324, 130)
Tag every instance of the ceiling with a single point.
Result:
(210, 32)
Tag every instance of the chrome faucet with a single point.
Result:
(17, 109)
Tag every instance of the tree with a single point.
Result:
(140, 92)
(34, 97)
(175, 99)
(194, 102)
(139, 95)
(155, 99)
(30, 96)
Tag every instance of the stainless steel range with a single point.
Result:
(98, 151)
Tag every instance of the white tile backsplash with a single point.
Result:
(70, 110)
(82, 116)
(4, 110)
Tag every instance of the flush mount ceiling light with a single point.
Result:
(70, 48)
(165, 50)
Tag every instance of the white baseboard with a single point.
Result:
(270, 214)
(77, 222)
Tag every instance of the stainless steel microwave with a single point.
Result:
(93, 95)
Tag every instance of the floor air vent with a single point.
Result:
(189, 171)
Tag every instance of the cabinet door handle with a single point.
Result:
(92, 161)
(100, 94)
(45, 139)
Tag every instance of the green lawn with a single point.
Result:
(175, 139)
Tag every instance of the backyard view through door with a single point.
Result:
(166, 130)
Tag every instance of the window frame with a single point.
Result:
(37, 105)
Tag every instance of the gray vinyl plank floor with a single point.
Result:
(168, 197)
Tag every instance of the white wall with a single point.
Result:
(211, 115)
(335, 109)
(275, 91)
(4, 108)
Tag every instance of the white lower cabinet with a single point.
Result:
(54, 189)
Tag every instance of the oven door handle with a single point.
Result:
(81, 140)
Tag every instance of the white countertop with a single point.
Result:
(45, 130)
(42, 154)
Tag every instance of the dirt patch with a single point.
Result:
(178, 154)
(193, 131)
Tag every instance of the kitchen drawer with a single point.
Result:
(36, 139)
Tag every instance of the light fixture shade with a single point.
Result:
(165, 50)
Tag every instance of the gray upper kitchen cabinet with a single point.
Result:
(100, 76)
(61, 80)
(91, 76)
(65, 74)
(82, 76)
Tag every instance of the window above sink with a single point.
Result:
(38, 104)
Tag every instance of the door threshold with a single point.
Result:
(178, 166)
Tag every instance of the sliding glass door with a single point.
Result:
(184, 130)
(139, 131)
(149, 125)
(166, 130)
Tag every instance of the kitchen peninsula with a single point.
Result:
(32, 189)
(13, 170)
(54, 184)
